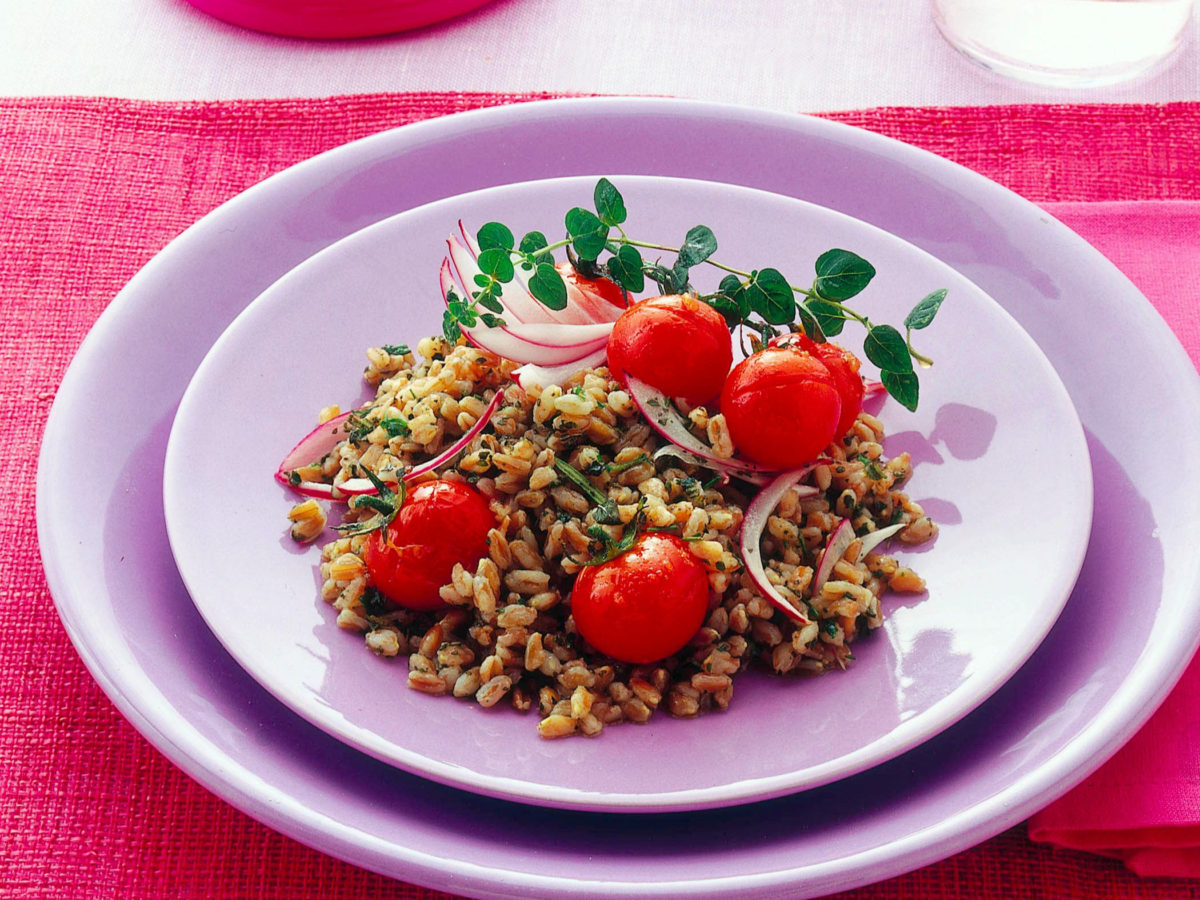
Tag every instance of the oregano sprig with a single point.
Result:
(762, 302)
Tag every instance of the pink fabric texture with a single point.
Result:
(92, 188)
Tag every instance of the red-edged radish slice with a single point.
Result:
(519, 305)
(312, 447)
(530, 376)
(871, 388)
(754, 523)
(724, 471)
(353, 486)
(660, 412)
(504, 343)
(516, 296)
(835, 548)
(873, 539)
(540, 343)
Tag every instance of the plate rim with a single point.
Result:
(1090, 746)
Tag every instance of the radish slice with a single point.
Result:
(871, 388)
(726, 472)
(312, 447)
(316, 489)
(519, 305)
(540, 343)
(754, 523)
(353, 486)
(835, 549)
(530, 376)
(547, 334)
(503, 343)
(658, 410)
(875, 538)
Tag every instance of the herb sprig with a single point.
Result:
(763, 302)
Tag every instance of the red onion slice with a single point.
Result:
(530, 376)
(835, 548)
(312, 447)
(754, 523)
(353, 486)
(662, 416)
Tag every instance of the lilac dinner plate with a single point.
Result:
(1125, 635)
(1009, 481)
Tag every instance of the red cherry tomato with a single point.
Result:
(676, 344)
(441, 523)
(644, 605)
(782, 407)
(604, 288)
(843, 366)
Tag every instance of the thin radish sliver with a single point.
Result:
(875, 538)
(835, 548)
(530, 376)
(755, 523)
(312, 447)
(662, 416)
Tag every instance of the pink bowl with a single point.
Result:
(335, 18)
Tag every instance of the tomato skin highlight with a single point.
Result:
(441, 523)
(844, 367)
(782, 407)
(644, 605)
(675, 343)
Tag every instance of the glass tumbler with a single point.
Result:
(1074, 43)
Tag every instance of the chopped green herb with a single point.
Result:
(396, 349)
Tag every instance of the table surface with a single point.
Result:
(796, 55)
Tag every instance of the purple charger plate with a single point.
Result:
(983, 457)
(1125, 636)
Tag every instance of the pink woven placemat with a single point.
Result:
(90, 189)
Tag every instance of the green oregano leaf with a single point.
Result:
(661, 276)
(488, 299)
(588, 234)
(922, 314)
(828, 316)
(903, 386)
(609, 203)
(810, 324)
(841, 274)
(494, 236)
(625, 268)
(532, 243)
(768, 293)
(699, 244)
(450, 327)
(547, 287)
(886, 348)
(497, 263)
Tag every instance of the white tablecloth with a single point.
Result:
(803, 55)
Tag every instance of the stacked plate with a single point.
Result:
(973, 708)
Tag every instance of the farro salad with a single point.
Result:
(572, 499)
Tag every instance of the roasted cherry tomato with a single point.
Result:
(645, 604)
(843, 366)
(441, 523)
(604, 288)
(782, 407)
(676, 344)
